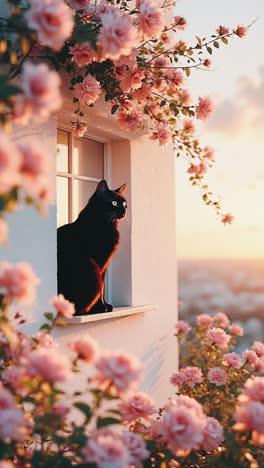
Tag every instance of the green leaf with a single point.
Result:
(163, 103)
(45, 326)
(102, 422)
(49, 316)
(114, 109)
(209, 50)
(224, 40)
(85, 409)
(216, 44)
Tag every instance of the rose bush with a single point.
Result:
(129, 53)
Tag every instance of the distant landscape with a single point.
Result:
(235, 287)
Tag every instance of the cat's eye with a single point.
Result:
(114, 203)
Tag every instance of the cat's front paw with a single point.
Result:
(109, 307)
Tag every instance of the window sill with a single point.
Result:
(116, 313)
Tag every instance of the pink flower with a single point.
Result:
(182, 327)
(88, 91)
(45, 340)
(85, 347)
(222, 320)
(136, 448)
(258, 347)
(129, 120)
(213, 434)
(63, 307)
(82, 54)
(181, 427)
(80, 4)
(137, 406)
(143, 93)
(188, 126)
(117, 34)
(12, 424)
(208, 153)
(250, 357)
(180, 23)
(9, 167)
(236, 330)
(150, 19)
(217, 376)
(61, 409)
(3, 231)
(218, 337)
(241, 31)
(177, 378)
(121, 370)
(259, 365)
(18, 282)
(184, 97)
(78, 129)
(52, 20)
(132, 80)
(207, 63)
(197, 169)
(22, 111)
(175, 76)
(222, 30)
(49, 365)
(6, 464)
(41, 88)
(163, 135)
(204, 320)
(227, 218)
(33, 161)
(6, 399)
(15, 376)
(253, 390)
(250, 416)
(192, 376)
(205, 108)
(232, 360)
(106, 449)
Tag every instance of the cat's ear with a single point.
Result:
(121, 190)
(102, 186)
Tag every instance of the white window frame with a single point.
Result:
(71, 177)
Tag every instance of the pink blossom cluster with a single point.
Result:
(183, 427)
(188, 376)
(182, 327)
(85, 348)
(27, 170)
(255, 356)
(137, 406)
(249, 414)
(218, 337)
(63, 307)
(118, 370)
(106, 447)
(40, 96)
(18, 282)
(12, 418)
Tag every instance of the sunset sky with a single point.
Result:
(236, 131)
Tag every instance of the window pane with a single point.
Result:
(62, 201)
(62, 151)
(82, 191)
(88, 158)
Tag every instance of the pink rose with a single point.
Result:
(52, 20)
(22, 111)
(222, 30)
(49, 365)
(250, 416)
(45, 340)
(129, 120)
(217, 376)
(258, 347)
(236, 330)
(18, 282)
(163, 135)
(253, 390)
(222, 320)
(232, 360)
(6, 399)
(15, 376)
(217, 337)
(63, 307)
(137, 406)
(182, 327)
(85, 347)
(180, 23)
(9, 167)
(143, 93)
(204, 320)
(117, 34)
(188, 126)
(119, 369)
(136, 448)
(213, 434)
(250, 357)
(241, 31)
(132, 80)
(78, 129)
(177, 378)
(205, 108)
(105, 449)
(82, 54)
(41, 88)
(197, 169)
(192, 376)
(88, 91)
(150, 19)
(181, 427)
(12, 424)
(33, 161)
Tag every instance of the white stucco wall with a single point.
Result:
(144, 270)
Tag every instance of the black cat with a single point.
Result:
(85, 249)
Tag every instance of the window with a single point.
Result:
(80, 166)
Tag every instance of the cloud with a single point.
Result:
(246, 109)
